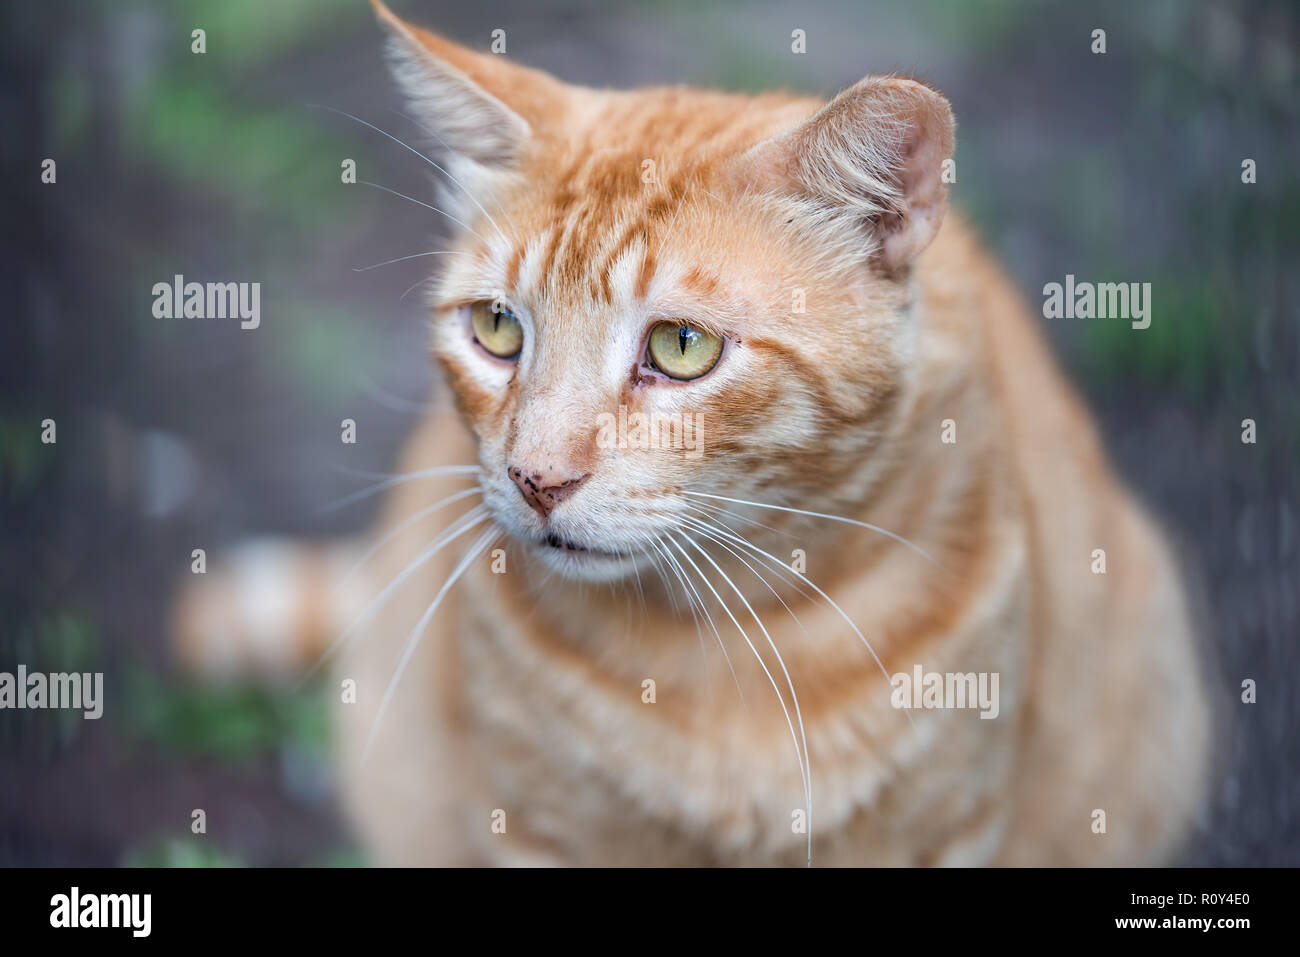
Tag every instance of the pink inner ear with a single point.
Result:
(874, 152)
(920, 175)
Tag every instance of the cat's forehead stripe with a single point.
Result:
(598, 200)
(602, 202)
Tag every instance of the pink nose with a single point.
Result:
(545, 490)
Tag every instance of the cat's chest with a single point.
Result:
(585, 766)
(649, 731)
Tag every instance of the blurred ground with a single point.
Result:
(1120, 167)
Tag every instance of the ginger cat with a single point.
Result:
(650, 671)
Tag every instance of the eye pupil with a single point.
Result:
(682, 351)
(496, 329)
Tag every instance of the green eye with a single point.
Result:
(496, 329)
(683, 352)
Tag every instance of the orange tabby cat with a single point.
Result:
(630, 665)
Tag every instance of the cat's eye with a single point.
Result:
(683, 351)
(497, 329)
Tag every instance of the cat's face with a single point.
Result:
(670, 292)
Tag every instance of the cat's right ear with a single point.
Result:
(871, 161)
(479, 105)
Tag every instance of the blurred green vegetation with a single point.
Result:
(252, 32)
(24, 460)
(986, 28)
(210, 138)
(1209, 88)
(1205, 331)
(232, 725)
(192, 851)
(232, 722)
(1188, 346)
(326, 357)
(196, 132)
(180, 852)
(56, 639)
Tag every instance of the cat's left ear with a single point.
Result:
(873, 159)
(481, 106)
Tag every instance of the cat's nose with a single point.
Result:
(545, 490)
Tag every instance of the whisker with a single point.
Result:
(801, 756)
(668, 590)
(441, 212)
(388, 400)
(419, 154)
(407, 523)
(695, 617)
(785, 578)
(391, 480)
(411, 288)
(834, 518)
(416, 473)
(718, 509)
(460, 185)
(402, 259)
(830, 601)
(699, 600)
(413, 640)
(640, 592)
(703, 529)
(473, 517)
(690, 604)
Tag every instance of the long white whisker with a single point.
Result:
(668, 589)
(441, 212)
(390, 401)
(640, 591)
(475, 516)
(834, 518)
(435, 136)
(411, 287)
(830, 601)
(407, 523)
(695, 617)
(413, 640)
(438, 472)
(800, 754)
(719, 510)
(705, 529)
(781, 572)
(402, 259)
(419, 154)
(697, 599)
(413, 474)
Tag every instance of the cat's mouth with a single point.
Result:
(563, 544)
(581, 561)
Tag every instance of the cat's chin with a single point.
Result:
(583, 563)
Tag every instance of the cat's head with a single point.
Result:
(667, 291)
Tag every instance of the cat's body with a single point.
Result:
(914, 394)
(533, 705)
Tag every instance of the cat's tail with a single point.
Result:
(269, 608)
